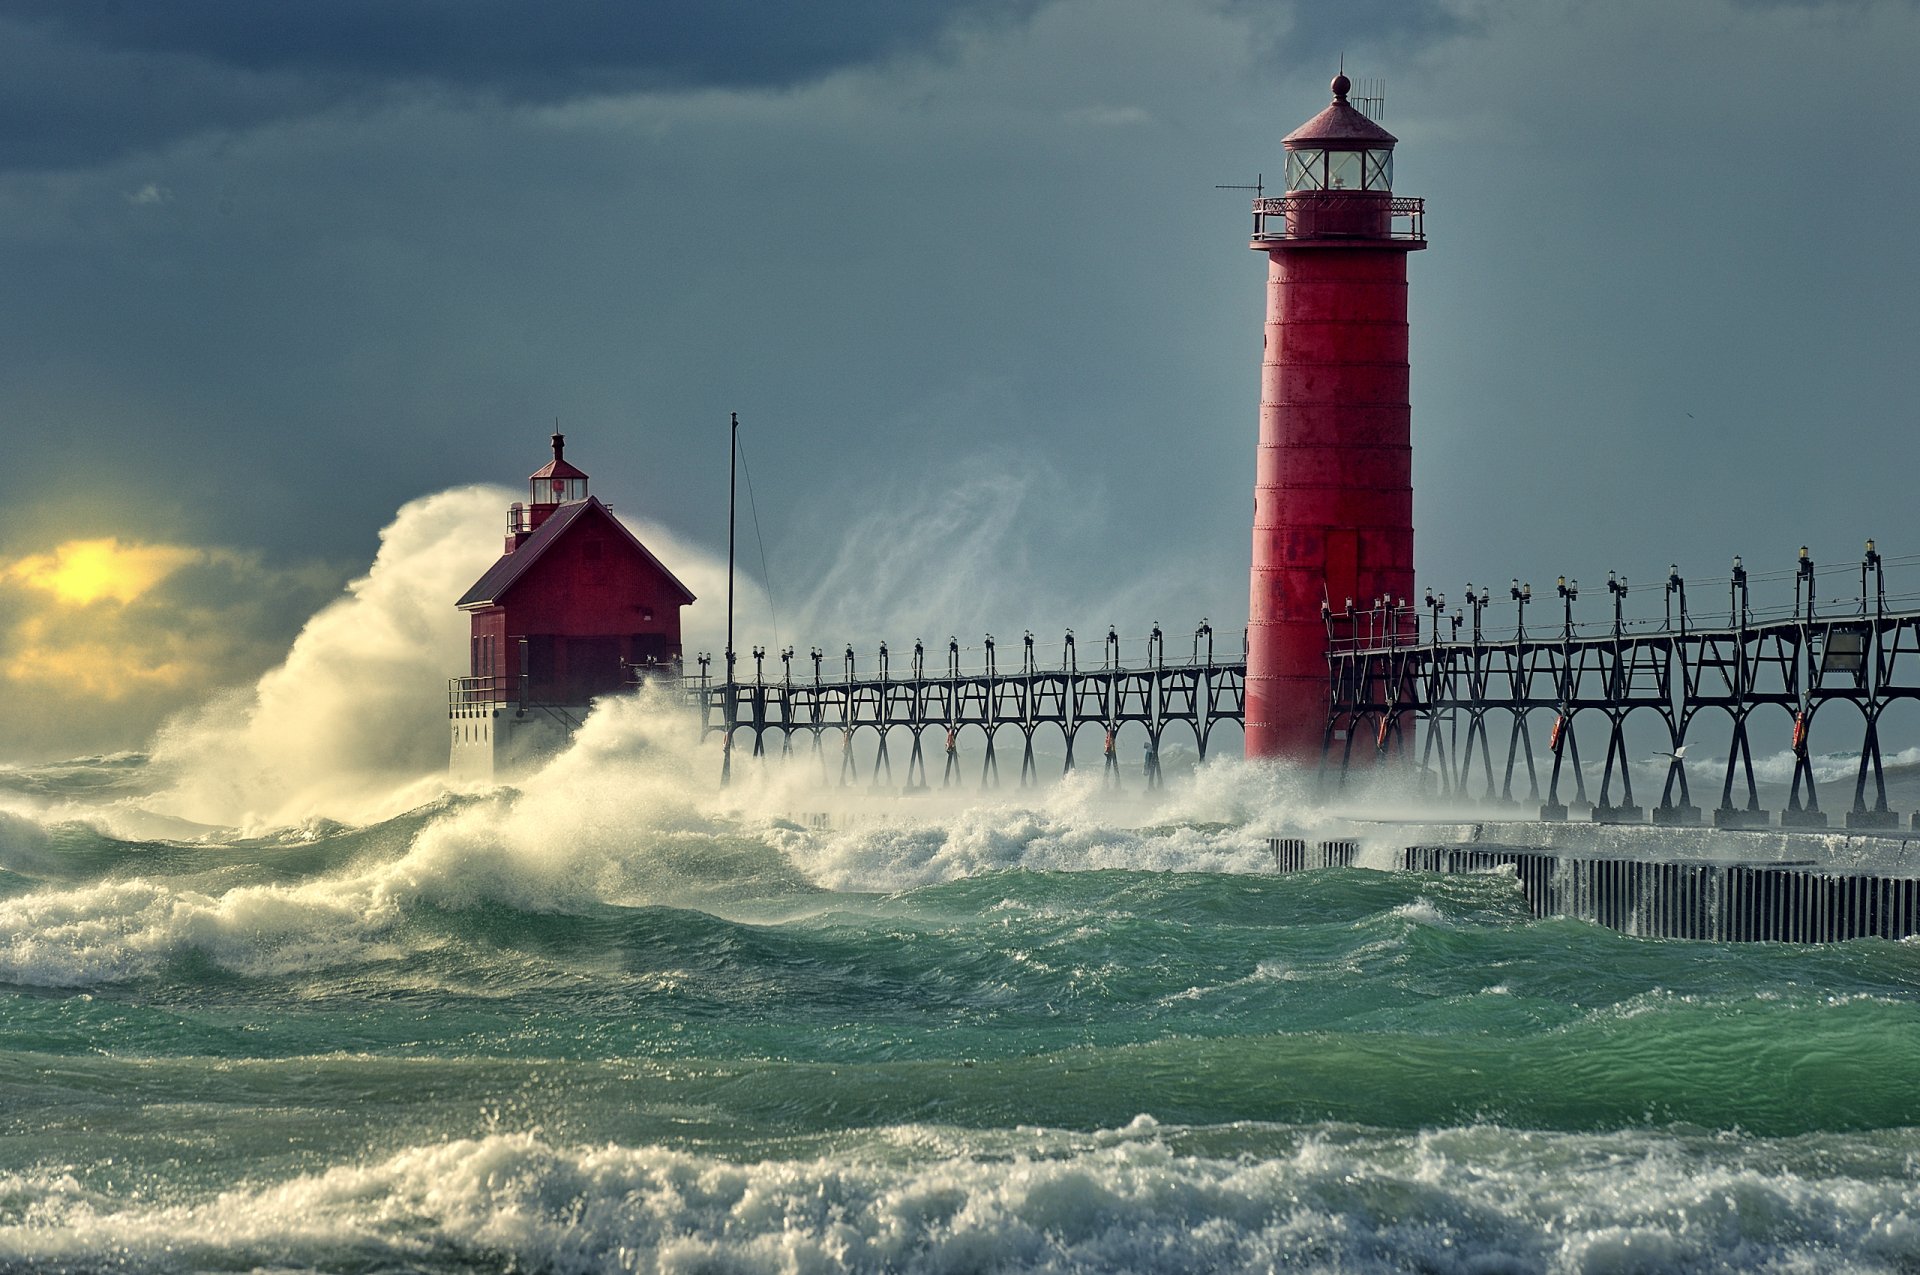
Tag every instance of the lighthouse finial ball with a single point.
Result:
(1340, 86)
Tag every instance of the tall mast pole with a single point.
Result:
(733, 468)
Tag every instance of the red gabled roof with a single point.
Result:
(505, 573)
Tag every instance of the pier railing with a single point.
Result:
(1790, 665)
(967, 707)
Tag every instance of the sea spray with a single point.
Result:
(353, 721)
(352, 724)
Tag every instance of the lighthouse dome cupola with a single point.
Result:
(1340, 149)
(556, 482)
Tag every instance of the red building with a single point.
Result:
(575, 608)
(1333, 491)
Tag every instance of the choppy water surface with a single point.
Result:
(624, 1023)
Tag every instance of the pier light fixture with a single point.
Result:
(1803, 574)
(1617, 586)
(1872, 563)
(1569, 590)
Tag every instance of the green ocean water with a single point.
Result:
(639, 1028)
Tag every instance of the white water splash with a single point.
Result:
(925, 1198)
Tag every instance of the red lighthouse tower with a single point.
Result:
(575, 608)
(1333, 491)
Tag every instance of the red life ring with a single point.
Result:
(950, 739)
(1109, 741)
(1800, 734)
(1554, 737)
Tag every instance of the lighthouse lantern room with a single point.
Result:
(575, 608)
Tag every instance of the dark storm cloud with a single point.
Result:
(1321, 33)
(84, 80)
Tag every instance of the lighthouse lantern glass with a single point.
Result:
(1317, 169)
(558, 491)
(1304, 169)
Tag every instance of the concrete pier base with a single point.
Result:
(1619, 814)
(1803, 818)
(1732, 817)
(1681, 816)
(1873, 819)
(1720, 886)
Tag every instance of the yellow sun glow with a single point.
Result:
(83, 571)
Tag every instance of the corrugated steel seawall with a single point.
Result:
(1721, 902)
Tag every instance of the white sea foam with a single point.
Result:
(633, 814)
(124, 930)
(918, 1199)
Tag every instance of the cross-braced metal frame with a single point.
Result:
(1866, 655)
(958, 706)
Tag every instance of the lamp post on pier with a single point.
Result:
(1522, 594)
(1569, 594)
(1737, 595)
(1676, 585)
(1618, 588)
(1871, 562)
(1435, 605)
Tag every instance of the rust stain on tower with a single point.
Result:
(1333, 487)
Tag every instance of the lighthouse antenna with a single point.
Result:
(1370, 98)
(733, 468)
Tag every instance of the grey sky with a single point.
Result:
(273, 270)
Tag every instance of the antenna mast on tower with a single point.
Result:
(1369, 97)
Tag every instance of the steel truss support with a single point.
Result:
(1800, 664)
